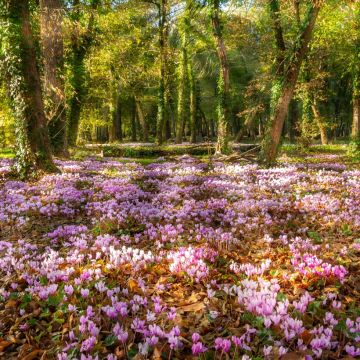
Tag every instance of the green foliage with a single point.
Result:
(155, 151)
(354, 149)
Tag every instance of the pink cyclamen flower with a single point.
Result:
(222, 344)
(352, 350)
(198, 348)
(84, 292)
(69, 290)
(195, 337)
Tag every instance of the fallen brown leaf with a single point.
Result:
(32, 355)
(192, 307)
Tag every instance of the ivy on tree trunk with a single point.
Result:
(80, 46)
(24, 88)
(223, 88)
(162, 96)
(287, 86)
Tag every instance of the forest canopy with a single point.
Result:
(170, 71)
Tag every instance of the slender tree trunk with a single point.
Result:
(182, 90)
(163, 40)
(320, 123)
(355, 130)
(171, 119)
(116, 118)
(222, 145)
(293, 119)
(133, 120)
(142, 120)
(24, 85)
(54, 87)
(78, 87)
(192, 90)
(271, 143)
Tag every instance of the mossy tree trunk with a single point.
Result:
(142, 120)
(355, 128)
(272, 139)
(80, 46)
(116, 128)
(24, 87)
(193, 101)
(223, 89)
(320, 122)
(182, 89)
(133, 119)
(163, 45)
(54, 89)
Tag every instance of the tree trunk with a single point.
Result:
(116, 129)
(183, 81)
(78, 87)
(80, 46)
(162, 97)
(270, 146)
(133, 120)
(355, 131)
(171, 120)
(142, 120)
(54, 88)
(33, 143)
(320, 123)
(192, 90)
(223, 94)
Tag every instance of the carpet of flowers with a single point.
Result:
(181, 260)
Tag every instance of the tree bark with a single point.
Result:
(279, 37)
(355, 130)
(222, 145)
(80, 47)
(133, 120)
(142, 120)
(320, 123)
(54, 88)
(192, 90)
(183, 81)
(116, 129)
(270, 146)
(24, 87)
(162, 97)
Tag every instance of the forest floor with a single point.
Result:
(182, 259)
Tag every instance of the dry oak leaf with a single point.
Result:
(198, 306)
(4, 344)
(293, 356)
(34, 354)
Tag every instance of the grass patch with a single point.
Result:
(155, 151)
(7, 153)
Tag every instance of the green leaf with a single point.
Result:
(315, 236)
(54, 300)
(132, 352)
(280, 296)
(110, 340)
(314, 306)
